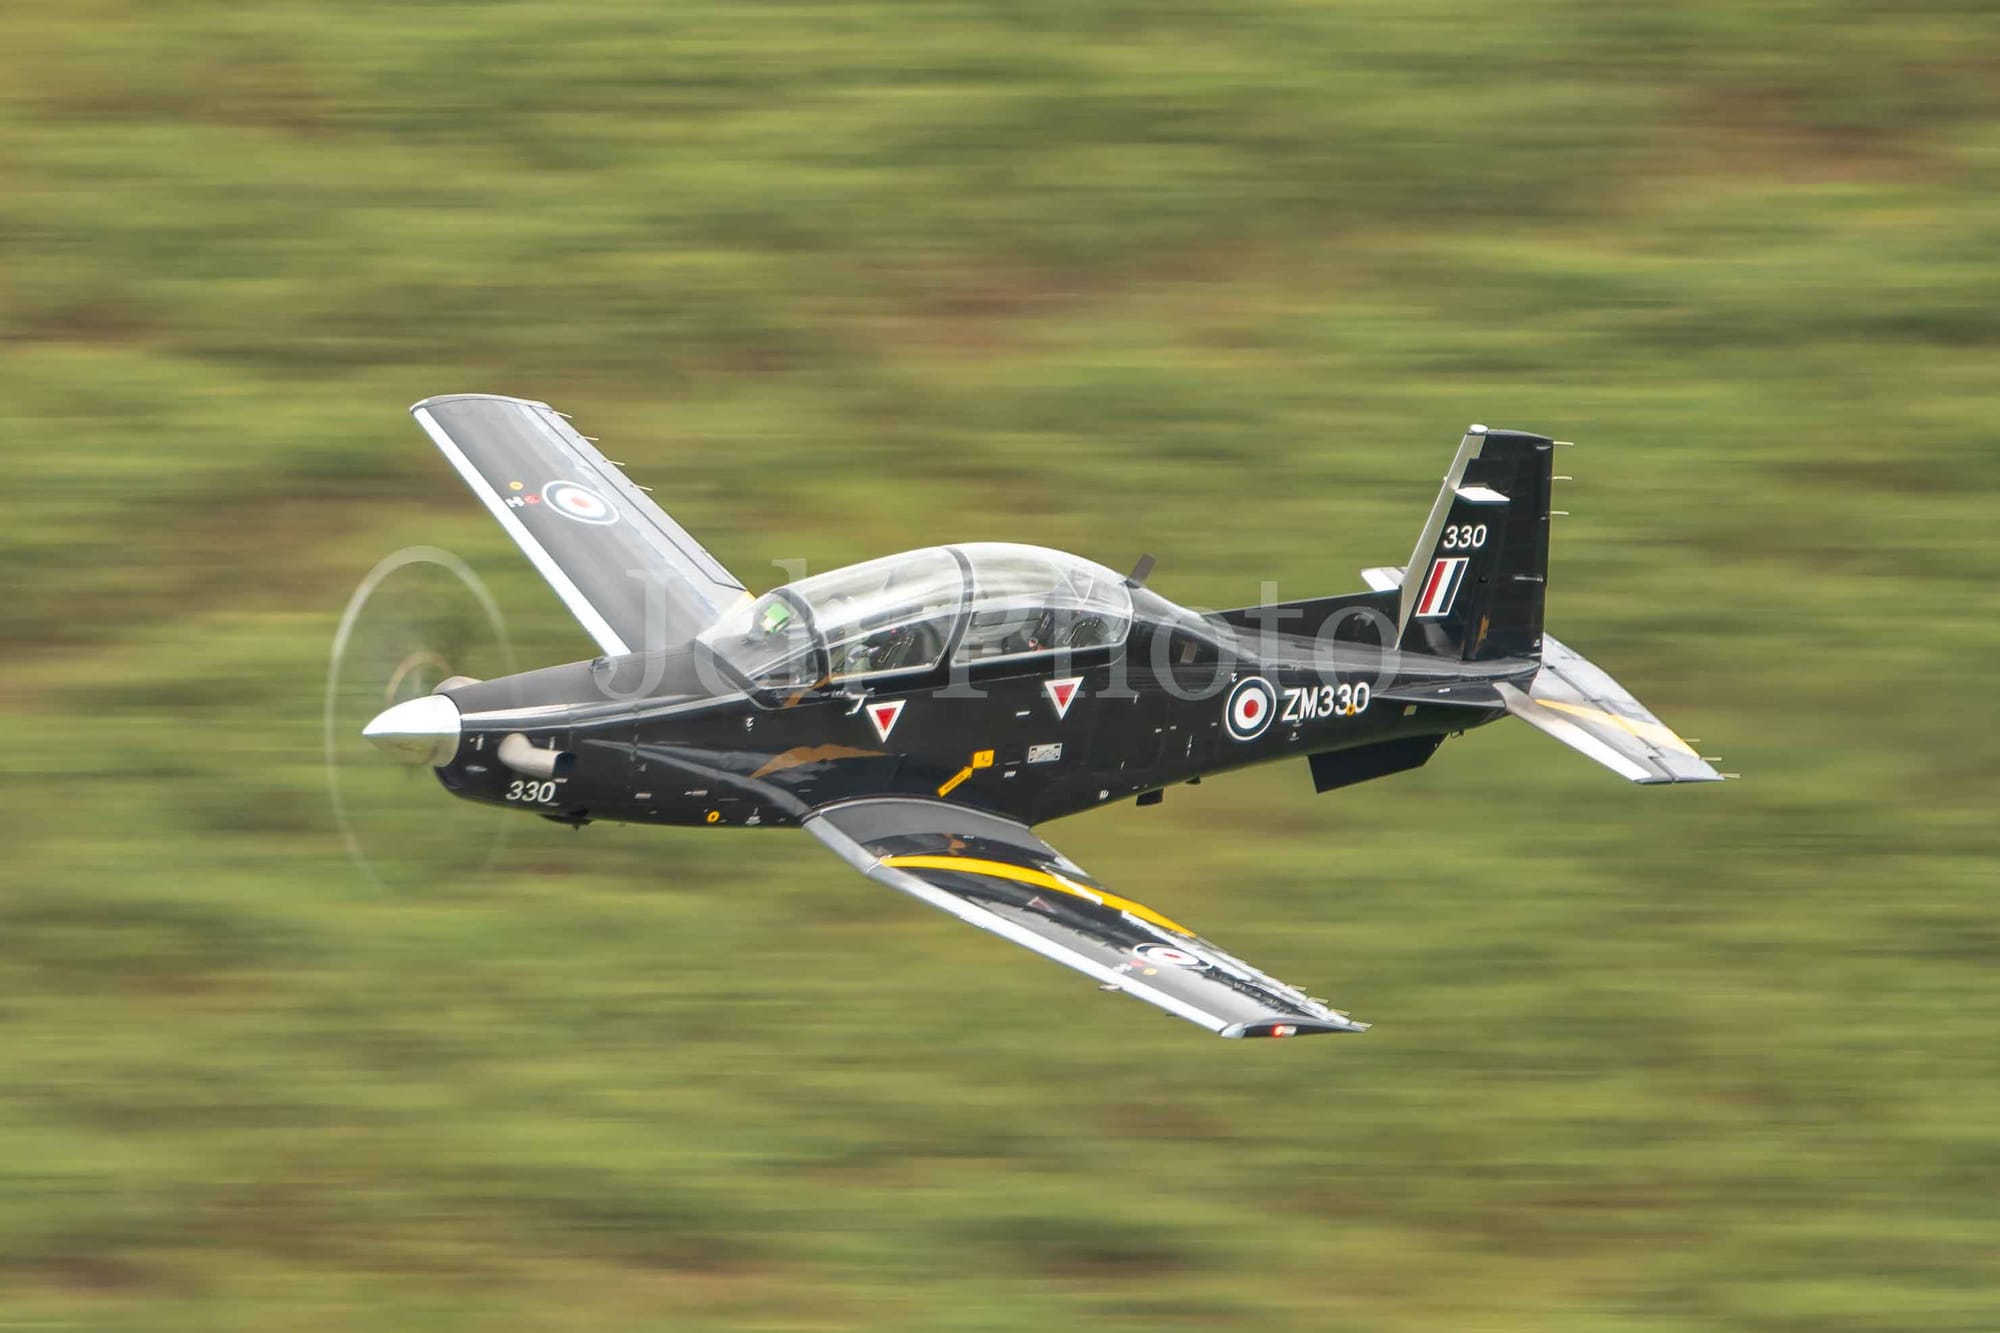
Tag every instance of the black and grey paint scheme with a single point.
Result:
(921, 713)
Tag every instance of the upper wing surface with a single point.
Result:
(997, 875)
(631, 575)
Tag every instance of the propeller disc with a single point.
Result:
(420, 618)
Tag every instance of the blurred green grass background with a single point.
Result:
(1223, 282)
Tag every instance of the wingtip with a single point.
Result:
(1296, 1027)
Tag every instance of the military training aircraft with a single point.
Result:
(921, 713)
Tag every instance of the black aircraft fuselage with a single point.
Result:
(673, 738)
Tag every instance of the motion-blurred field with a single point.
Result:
(1219, 282)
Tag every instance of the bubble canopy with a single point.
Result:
(982, 602)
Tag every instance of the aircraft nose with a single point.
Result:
(423, 730)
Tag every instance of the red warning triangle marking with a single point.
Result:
(884, 716)
(1062, 693)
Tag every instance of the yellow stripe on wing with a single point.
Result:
(1041, 879)
(1655, 732)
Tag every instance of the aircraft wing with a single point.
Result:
(997, 875)
(631, 575)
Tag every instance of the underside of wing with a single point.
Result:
(631, 576)
(997, 875)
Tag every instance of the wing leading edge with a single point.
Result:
(634, 578)
(997, 875)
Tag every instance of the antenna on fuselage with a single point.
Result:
(1140, 572)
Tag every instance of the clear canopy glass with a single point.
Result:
(900, 614)
(892, 614)
(1028, 599)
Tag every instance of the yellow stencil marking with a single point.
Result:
(1041, 879)
(980, 759)
(1645, 731)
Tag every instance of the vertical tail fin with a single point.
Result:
(1475, 583)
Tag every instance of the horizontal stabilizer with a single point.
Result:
(1584, 708)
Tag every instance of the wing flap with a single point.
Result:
(633, 577)
(996, 875)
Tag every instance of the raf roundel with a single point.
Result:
(1250, 707)
(1166, 955)
(579, 502)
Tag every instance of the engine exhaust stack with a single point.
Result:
(531, 761)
